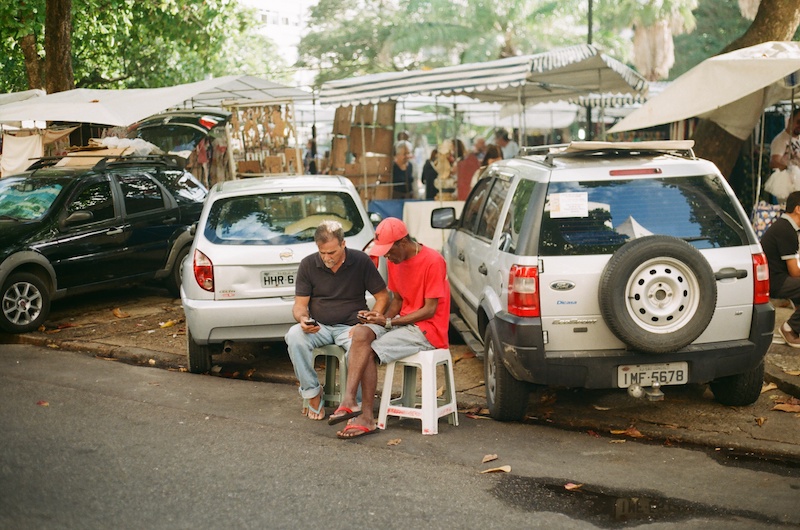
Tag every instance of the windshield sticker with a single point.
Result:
(571, 204)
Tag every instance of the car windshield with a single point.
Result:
(26, 199)
(598, 217)
(279, 218)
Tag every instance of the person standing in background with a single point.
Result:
(785, 147)
(402, 171)
(508, 145)
(466, 169)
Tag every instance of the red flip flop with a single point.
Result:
(336, 417)
(360, 431)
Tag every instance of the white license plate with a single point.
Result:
(647, 374)
(277, 278)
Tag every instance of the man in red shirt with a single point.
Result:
(417, 319)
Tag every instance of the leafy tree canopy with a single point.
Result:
(134, 43)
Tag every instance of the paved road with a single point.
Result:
(93, 443)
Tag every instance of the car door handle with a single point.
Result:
(169, 219)
(460, 255)
(729, 272)
(482, 269)
(114, 231)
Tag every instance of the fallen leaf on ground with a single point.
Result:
(51, 331)
(394, 441)
(119, 313)
(593, 433)
(53, 345)
(617, 441)
(571, 486)
(151, 362)
(768, 387)
(248, 374)
(488, 458)
(760, 420)
(786, 407)
(167, 324)
(471, 410)
(67, 325)
(501, 469)
(598, 407)
(43, 403)
(477, 417)
(440, 391)
(792, 372)
(631, 431)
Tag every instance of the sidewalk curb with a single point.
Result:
(786, 383)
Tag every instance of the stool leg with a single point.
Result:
(386, 395)
(451, 392)
(330, 380)
(430, 420)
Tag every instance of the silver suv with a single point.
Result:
(603, 265)
(238, 283)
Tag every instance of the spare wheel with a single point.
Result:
(657, 294)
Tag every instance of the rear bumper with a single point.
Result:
(524, 355)
(215, 321)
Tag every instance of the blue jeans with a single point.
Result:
(301, 345)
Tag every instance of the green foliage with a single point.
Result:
(718, 24)
(134, 43)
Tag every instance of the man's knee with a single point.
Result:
(362, 334)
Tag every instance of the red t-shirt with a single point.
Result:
(420, 277)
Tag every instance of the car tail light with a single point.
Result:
(375, 259)
(761, 276)
(203, 271)
(523, 291)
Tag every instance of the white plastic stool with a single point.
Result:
(428, 407)
(334, 359)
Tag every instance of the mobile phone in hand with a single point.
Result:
(311, 322)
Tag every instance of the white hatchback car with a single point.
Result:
(238, 281)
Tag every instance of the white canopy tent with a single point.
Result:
(125, 107)
(555, 75)
(731, 90)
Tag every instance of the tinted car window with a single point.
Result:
(141, 194)
(27, 199)
(472, 209)
(517, 208)
(184, 186)
(279, 218)
(95, 198)
(598, 217)
(491, 212)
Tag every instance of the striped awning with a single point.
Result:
(557, 75)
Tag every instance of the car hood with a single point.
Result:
(15, 235)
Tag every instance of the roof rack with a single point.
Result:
(680, 148)
(102, 163)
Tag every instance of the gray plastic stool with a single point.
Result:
(334, 361)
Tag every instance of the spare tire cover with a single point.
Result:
(657, 294)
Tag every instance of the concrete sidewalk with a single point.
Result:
(149, 329)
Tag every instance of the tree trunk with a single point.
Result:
(58, 46)
(776, 20)
(33, 65)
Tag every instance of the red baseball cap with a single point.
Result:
(389, 231)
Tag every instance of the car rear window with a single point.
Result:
(279, 218)
(592, 217)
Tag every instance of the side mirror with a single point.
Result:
(81, 216)
(443, 217)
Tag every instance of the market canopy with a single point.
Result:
(125, 107)
(731, 89)
(556, 75)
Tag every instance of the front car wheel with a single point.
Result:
(26, 303)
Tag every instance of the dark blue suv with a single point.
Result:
(76, 224)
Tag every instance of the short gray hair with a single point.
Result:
(327, 230)
(403, 144)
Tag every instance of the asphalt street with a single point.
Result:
(91, 443)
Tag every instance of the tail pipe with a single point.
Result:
(227, 346)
